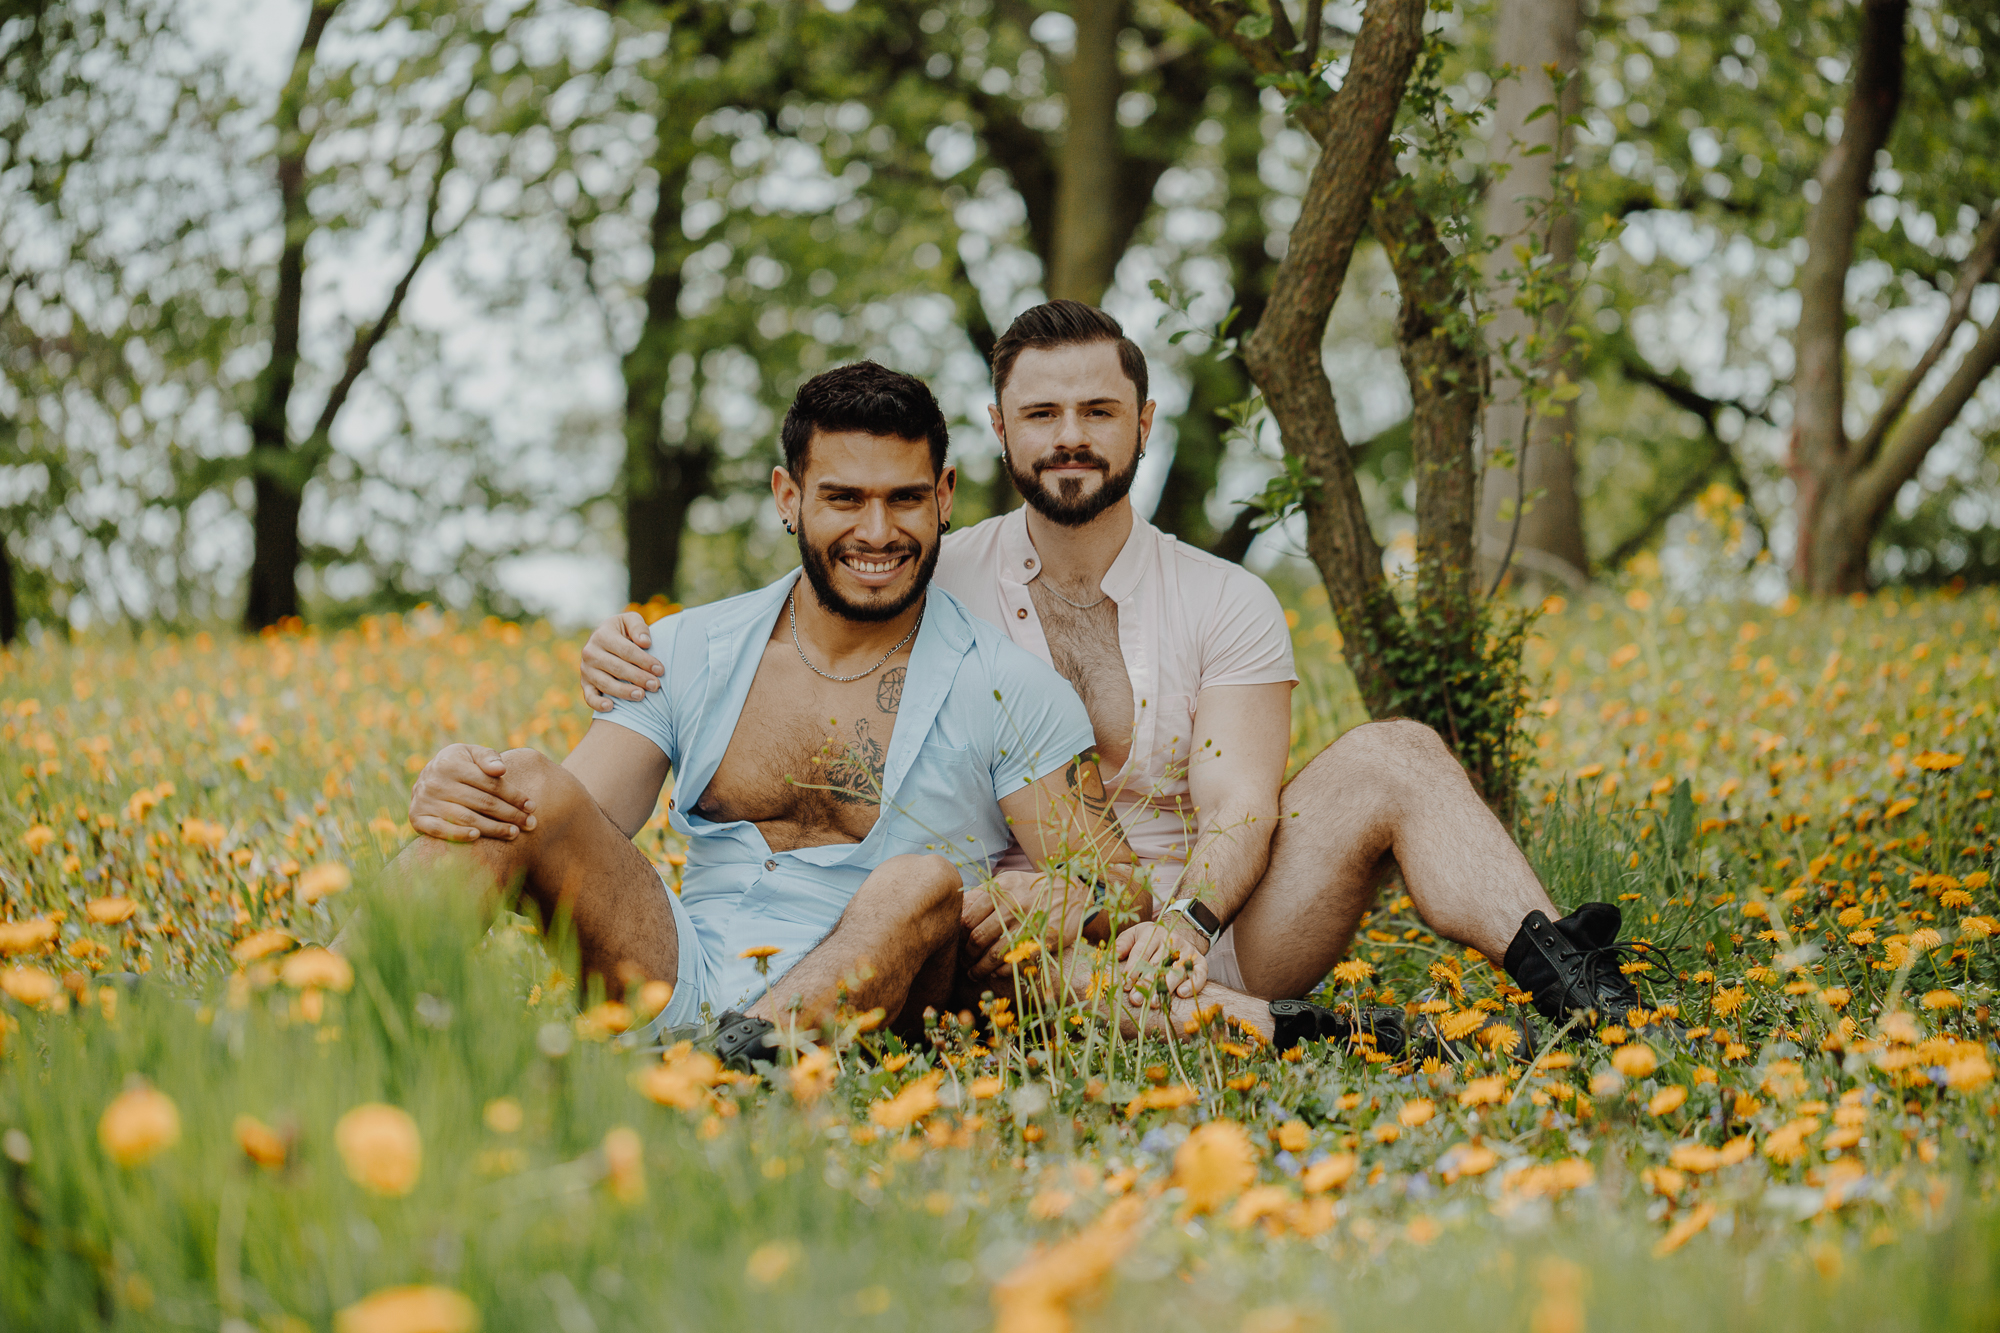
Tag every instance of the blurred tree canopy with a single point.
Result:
(447, 283)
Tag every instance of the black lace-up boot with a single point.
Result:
(741, 1040)
(1571, 966)
(1295, 1021)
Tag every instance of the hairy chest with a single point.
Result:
(805, 762)
(1084, 648)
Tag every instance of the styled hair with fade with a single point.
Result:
(865, 397)
(1065, 324)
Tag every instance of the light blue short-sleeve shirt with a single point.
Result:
(979, 719)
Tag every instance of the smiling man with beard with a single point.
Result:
(1184, 663)
(849, 749)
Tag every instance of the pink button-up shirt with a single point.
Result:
(1187, 621)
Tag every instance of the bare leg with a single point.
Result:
(575, 861)
(1385, 794)
(893, 947)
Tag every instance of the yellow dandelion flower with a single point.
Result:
(380, 1147)
(140, 1123)
(110, 911)
(26, 936)
(1215, 1164)
(29, 985)
(260, 1143)
(412, 1309)
(910, 1105)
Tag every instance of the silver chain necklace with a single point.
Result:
(792, 608)
(1050, 589)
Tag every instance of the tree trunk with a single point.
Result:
(10, 613)
(1845, 489)
(1283, 355)
(1443, 364)
(1832, 551)
(274, 562)
(662, 479)
(1531, 35)
(1086, 245)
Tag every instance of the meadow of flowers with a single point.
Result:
(209, 1120)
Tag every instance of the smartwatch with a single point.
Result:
(1198, 913)
(1100, 899)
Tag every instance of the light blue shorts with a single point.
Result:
(691, 981)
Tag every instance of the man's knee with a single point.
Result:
(556, 792)
(924, 885)
(1402, 737)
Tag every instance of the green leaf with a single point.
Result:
(1680, 817)
(1254, 26)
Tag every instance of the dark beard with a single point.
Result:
(819, 572)
(1066, 506)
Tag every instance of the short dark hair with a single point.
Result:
(1065, 324)
(864, 397)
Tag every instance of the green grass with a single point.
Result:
(760, 1209)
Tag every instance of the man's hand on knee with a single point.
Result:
(463, 795)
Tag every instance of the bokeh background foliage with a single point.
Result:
(351, 305)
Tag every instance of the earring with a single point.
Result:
(789, 528)
(944, 527)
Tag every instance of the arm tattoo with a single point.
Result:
(1083, 779)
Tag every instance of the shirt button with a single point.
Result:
(770, 865)
(1020, 613)
(1027, 564)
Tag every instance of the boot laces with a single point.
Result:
(1601, 970)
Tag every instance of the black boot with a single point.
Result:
(1295, 1021)
(1513, 1035)
(1571, 966)
(741, 1039)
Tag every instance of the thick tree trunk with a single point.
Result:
(662, 479)
(1832, 551)
(1087, 243)
(1446, 373)
(10, 612)
(1283, 355)
(1531, 35)
(274, 561)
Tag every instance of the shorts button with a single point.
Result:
(1020, 613)
(770, 865)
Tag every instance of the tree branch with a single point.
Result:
(1656, 518)
(1978, 266)
(1681, 394)
(368, 337)
(1874, 489)
(1283, 353)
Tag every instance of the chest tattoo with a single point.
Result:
(850, 773)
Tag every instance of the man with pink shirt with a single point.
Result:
(1184, 664)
